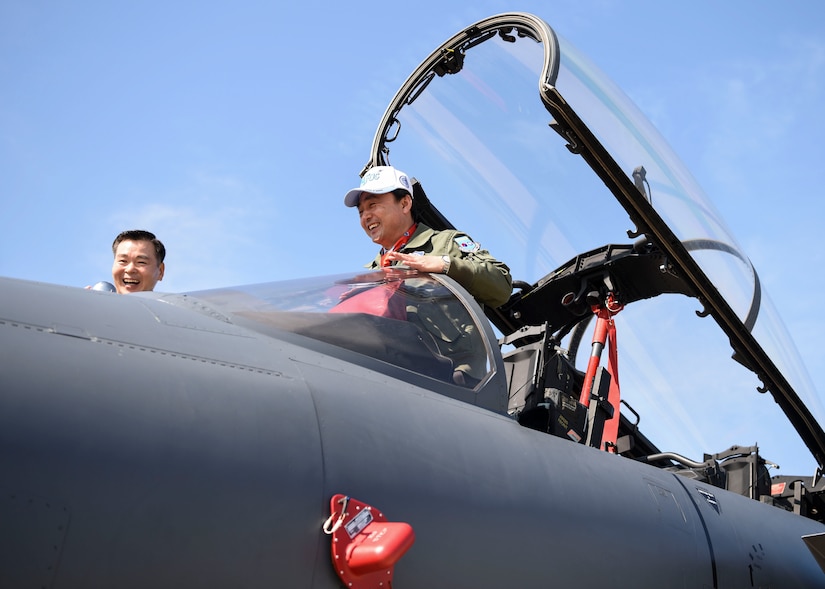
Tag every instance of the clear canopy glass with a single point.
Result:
(493, 160)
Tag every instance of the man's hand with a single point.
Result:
(432, 264)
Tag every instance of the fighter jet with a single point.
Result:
(312, 434)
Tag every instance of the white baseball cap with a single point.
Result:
(379, 180)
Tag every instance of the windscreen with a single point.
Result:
(397, 317)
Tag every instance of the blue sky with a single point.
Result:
(233, 129)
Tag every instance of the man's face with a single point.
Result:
(384, 218)
(136, 267)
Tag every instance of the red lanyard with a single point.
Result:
(402, 241)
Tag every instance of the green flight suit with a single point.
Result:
(488, 280)
(484, 277)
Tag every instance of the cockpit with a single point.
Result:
(521, 141)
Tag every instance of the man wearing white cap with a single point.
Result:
(384, 202)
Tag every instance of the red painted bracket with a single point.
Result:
(365, 546)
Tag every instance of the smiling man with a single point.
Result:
(385, 208)
(138, 264)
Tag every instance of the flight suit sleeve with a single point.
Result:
(474, 268)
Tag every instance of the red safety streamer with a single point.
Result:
(611, 426)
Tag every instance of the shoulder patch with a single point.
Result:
(466, 245)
